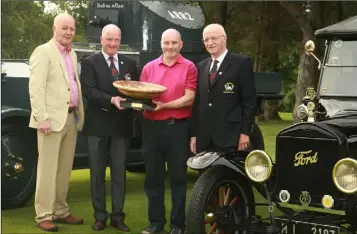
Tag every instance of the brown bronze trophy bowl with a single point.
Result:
(140, 94)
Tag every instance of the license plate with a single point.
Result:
(298, 227)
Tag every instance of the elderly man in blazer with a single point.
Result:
(225, 103)
(57, 114)
(108, 126)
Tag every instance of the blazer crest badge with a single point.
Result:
(127, 76)
(228, 88)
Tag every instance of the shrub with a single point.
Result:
(288, 102)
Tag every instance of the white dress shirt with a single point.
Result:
(220, 60)
(116, 60)
(116, 63)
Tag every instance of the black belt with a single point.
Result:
(168, 121)
(72, 109)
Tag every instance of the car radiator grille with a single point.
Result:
(313, 175)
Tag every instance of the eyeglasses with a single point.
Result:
(213, 39)
(118, 39)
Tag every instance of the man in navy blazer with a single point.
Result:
(226, 103)
(108, 126)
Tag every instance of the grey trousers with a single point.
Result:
(101, 149)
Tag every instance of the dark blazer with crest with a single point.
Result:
(227, 108)
(101, 117)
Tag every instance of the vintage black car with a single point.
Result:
(141, 23)
(313, 181)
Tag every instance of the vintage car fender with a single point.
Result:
(227, 163)
(202, 160)
(206, 159)
(8, 112)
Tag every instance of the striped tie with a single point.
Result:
(115, 72)
(213, 71)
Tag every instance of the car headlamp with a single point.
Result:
(258, 166)
(345, 175)
(301, 111)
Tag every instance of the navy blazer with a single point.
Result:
(227, 108)
(101, 117)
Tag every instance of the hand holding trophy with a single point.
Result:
(140, 94)
(117, 100)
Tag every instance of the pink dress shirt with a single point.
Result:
(65, 52)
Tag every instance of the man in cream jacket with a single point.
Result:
(57, 114)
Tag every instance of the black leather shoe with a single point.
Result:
(98, 225)
(177, 231)
(153, 229)
(120, 225)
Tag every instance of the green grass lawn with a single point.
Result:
(22, 220)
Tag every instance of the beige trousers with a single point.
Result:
(55, 161)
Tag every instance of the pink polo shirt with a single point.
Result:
(176, 78)
(65, 52)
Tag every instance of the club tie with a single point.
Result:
(115, 72)
(213, 71)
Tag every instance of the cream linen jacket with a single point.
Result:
(49, 88)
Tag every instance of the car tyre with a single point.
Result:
(201, 199)
(18, 150)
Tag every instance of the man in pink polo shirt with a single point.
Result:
(166, 132)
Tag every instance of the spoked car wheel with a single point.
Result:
(221, 202)
(18, 165)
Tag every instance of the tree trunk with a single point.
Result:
(204, 10)
(223, 12)
(305, 79)
(307, 64)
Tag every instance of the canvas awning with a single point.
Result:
(345, 28)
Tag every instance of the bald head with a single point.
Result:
(214, 28)
(214, 38)
(64, 27)
(110, 39)
(62, 17)
(111, 28)
(171, 33)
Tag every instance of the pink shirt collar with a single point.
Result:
(63, 49)
(180, 59)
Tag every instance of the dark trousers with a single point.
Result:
(212, 146)
(165, 141)
(101, 149)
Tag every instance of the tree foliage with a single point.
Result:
(24, 26)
